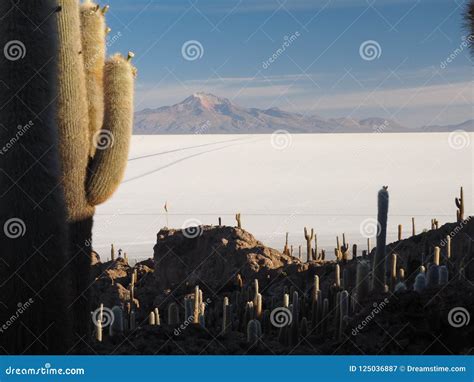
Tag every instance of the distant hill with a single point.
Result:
(203, 113)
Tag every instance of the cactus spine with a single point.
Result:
(94, 114)
(380, 250)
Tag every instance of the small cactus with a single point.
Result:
(393, 270)
(460, 206)
(420, 283)
(309, 238)
(400, 287)
(173, 314)
(378, 281)
(254, 331)
(157, 317)
(117, 323)
(443, 277)
(362, 280)
(432, 277)
(239, 222)
(226, 316)
(112, 252)
(344, 313)
(151, 319)
(338, 276)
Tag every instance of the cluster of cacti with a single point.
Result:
(94, 117)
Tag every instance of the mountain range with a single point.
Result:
(203, 113)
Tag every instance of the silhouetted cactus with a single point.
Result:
(378, 282)
(173, 314)
(117, 324)
(34, 254)
(420, 283)
(344, 312)
(362, 280)
(95, 113)
(254, 331)
(400, 287)
(309, 238)
(443, 277)
(460, 206)
(393, 270)
(226, 316)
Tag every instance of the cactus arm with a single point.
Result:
(72, 112)
(108, 165)
(93, 32)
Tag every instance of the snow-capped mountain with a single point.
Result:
(203, 113)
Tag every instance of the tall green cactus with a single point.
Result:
(33, 260)
(378, 281)
(95, 112)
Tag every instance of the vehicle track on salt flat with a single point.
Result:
(189, 157)
(185, 148)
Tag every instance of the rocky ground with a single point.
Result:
(225, 261)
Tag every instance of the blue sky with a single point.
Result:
(320, 71)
